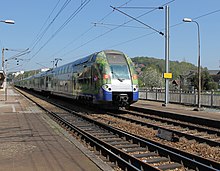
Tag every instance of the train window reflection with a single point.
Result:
(120, 71)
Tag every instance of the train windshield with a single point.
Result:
(118, 66)
(119, 72)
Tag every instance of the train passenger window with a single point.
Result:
(66, 69)
(69, 68)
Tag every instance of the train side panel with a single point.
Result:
(104, 78)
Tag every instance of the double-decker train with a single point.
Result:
(107, 78)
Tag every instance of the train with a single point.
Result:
(2, 78)
(106, 78)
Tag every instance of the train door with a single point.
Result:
(74, 82)
(94, 79)
(70, 82)
(48, 82)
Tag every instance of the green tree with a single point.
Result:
(212, 86)
(152, 78)
(177, 68)
(206, 79)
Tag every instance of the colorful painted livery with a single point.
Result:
(107, 78)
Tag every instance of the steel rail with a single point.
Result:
(187, 162)
(121, 159)
(178, 133)
(176, 123)
(172, 115)
(98, 146)
(193, 161)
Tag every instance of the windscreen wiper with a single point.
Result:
(120, 79)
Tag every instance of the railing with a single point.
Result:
(209, 99)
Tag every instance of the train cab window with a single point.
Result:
(120, 71)
(118, 65)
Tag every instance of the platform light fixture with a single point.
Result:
(199, 67)
(8, 21)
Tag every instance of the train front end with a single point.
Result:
(120, 82)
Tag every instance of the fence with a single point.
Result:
(208, 99)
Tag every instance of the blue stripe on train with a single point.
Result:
(135, 96)
(107, 96)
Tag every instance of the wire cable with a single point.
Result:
(53, 20)
(41, 33)
(137, 20)
(175, 25)
(103, 34)
(102, 19)
(63, 25)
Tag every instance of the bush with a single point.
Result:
(212, 86)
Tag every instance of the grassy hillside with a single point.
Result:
(176, 68)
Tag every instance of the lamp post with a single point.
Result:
(5, 83)
(8, 21)
(3, 60)
(199, 68)
(3, 69)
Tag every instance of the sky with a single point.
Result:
(71, 29)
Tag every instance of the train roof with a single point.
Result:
(112, 51)
(75, 63)
(87, 58)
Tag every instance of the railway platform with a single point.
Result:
(30, 140)
(206, 113)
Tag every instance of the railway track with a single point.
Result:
(125, 150)
(204, 122)
(182, 129)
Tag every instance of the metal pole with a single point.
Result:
(6, 93)
(53, 64)
(3, 68)
(199, 68)
(167, 54)
(3, 59)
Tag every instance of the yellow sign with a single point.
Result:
(167, 75)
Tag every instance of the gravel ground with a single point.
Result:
(190, 146)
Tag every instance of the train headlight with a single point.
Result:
(134, 77)
(135, 88)
(107, 87)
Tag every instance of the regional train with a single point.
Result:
(106, 78)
